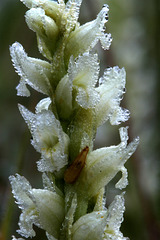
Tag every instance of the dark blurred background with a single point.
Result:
(134, 26)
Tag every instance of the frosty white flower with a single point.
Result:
(54, 22)
(34, 72)
(85, 37)
(84, 75)
(65, 15)
(78, 86)
(103, 224)
(48, 139)
(103, 164)
(111, 90)
(42, 208)
(51, 20)
(90, 226)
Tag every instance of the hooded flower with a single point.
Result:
(85, 37)
(101, 225)
(78, 86)
(103, 164)
(42, 208)
(34, 72)
(48, 138)
(90, 226)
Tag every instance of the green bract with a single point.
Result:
(76, 102)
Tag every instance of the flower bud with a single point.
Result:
(51, 8)
(90, 226)
(46, 29)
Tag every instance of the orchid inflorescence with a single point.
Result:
(63, 127)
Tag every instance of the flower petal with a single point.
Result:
(34, 72)
(43, 104)
(50, 207)
(111, 90)
(114, 219)
(84, 75)
(21, 190)
(90, 226)
(71, 14)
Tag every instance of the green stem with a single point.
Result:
(82, 205)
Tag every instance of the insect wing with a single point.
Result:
(73, 171)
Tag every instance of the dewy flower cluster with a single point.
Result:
(72, 205)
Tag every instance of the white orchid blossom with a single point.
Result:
(41, 207)
(48, 139)
(111, 89)
(103, 164)
(34, 72)
(78, 85)
(72, 204)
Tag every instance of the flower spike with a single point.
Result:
(71, 205)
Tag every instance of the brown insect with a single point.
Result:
(73, 171)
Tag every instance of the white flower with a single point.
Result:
(66, 15)
(34, 72)
(104, 224)
(42, 208)
(90, 226)
(51, 20)
(46, 29)
(48, 139)
(85, 37)
(111, 90)
(84, 75)
(78, 86)
(99, 104)
(51, 8)
(103, 164)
